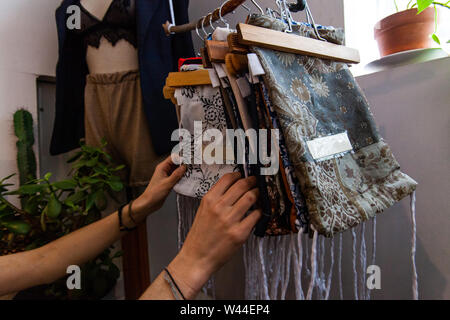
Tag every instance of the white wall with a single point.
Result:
(28, 48)
(411, 107)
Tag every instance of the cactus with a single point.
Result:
(26, 160)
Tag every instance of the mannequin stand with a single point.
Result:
(136, 267)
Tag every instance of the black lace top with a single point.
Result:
(118, 23)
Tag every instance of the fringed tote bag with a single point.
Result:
(347, 172)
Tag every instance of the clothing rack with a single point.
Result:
(226, 8)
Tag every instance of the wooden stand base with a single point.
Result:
(136, 268)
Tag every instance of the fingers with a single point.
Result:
(224, 184)
(176, 175)
(248, 223)
(237, 190)
(168, 165)
(244, 204)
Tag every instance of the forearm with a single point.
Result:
(76, 248)
(188, 275)
(158, 290)
(50, 262)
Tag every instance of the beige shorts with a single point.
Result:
(114, 111)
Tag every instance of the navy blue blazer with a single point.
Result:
(158, 55)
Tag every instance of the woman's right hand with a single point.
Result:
(220, 228)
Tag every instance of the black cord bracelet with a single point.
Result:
(131, 213)
(174, 283)
(121, 225)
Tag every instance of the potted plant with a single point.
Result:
(51, 209)
(413, 28)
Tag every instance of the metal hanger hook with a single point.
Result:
(258, 6)
(198, 33)
(220, 15)
(246, 8)
(316, 31)
(210, 21)
(280, 8)
(203, 27)
(288, 16)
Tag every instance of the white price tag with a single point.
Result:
(328, 146)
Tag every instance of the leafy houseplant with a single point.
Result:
(50, 210)
(413, 28)
(422, 5)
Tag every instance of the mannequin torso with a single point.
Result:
(108, 58)
(111, 59)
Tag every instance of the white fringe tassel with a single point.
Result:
(187, 208)
(363, 263)
(355, 273)
(374, 249)
(269, 262)
(330, 273)
(321, 279)
(415, 283)
(298, 267)
(313, 265)
(308, 271)
(287, 271)
(341, 292)
(264, 283)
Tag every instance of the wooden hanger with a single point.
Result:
(169, 94)
(188, 78)
(287, 42)
(205, 58)
(217, 50)
(184, 79)
(234, 46)
(236, 63)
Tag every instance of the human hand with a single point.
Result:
(218, 231)
(166, 175)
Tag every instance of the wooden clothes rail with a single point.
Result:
(227, 8)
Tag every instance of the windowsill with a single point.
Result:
(400, 59)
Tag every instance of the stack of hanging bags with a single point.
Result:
(306, 99)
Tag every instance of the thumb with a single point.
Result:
(176, 175)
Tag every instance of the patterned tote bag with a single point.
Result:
(204, 105)
(320, 107)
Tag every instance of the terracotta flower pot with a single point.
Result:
(405, 30)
